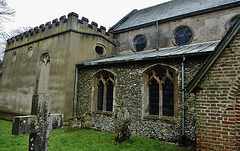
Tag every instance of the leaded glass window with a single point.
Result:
(104, 89)
(139, 43)
(153, 97)
(100, 96)
(161, 88)
(183, 36)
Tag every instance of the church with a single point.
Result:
(175, 67)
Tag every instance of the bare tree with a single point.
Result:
(6, 14)
(7, 35)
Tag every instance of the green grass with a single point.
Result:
(81, 140)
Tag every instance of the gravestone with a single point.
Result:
(82, 122)
(38, 124)
(122, 124)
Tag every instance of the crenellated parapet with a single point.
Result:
(64, 24)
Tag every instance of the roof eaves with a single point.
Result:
(213, 56)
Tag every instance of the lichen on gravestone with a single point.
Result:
(80, 122)
(122, 124)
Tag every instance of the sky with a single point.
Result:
(32, 13)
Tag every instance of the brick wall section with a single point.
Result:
(217, 102)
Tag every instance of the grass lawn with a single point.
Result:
(81, 140)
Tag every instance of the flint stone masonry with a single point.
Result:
(38, 124)
(128, 89)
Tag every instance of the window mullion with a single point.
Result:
(104, 96)
(160, 99)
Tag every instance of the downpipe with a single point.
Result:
(75, 92)
(183, 100)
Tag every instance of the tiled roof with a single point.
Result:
(170, 52)
(169, 10)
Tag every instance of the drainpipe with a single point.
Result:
(75, 92)
(157, 37)
(183, 93)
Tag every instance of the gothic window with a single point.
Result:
(139, 43)
(160, 91)
(183, 36)
(103, 91)
(233, 21)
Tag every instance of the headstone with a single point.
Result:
(38, 124)
(83, 122)
(122, 124)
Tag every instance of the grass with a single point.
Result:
(81, 140)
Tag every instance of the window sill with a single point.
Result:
(104, 113)
(166, 119)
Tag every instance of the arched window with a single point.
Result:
(103, 91)
(160, 91)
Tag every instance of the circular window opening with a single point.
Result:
(29, 53)
(139, 43)
(14, 56)
(233, 21)
(99, 50)
(183, 36)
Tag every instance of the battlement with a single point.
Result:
(64, 24)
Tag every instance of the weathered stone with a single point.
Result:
(82, 122)
(122, 124)
(39, 124)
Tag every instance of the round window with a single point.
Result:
(139, 43)
(29, 53)
(183, 36)
(99, 50)
(14, 56)
(232, 22)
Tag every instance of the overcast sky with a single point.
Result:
(104, 12)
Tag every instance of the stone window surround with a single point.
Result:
(145, 105)
(182, 26)
(95, 94)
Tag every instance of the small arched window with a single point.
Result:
(103, 91)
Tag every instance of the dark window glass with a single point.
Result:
(232, 22)
(160, 73)
(168, 98)
(99, 50)
(183, 36)
(100, 96)
(139, 42)
(109, 106)
(153, 98)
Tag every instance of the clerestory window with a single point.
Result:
(160, 91)
(103, 91)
